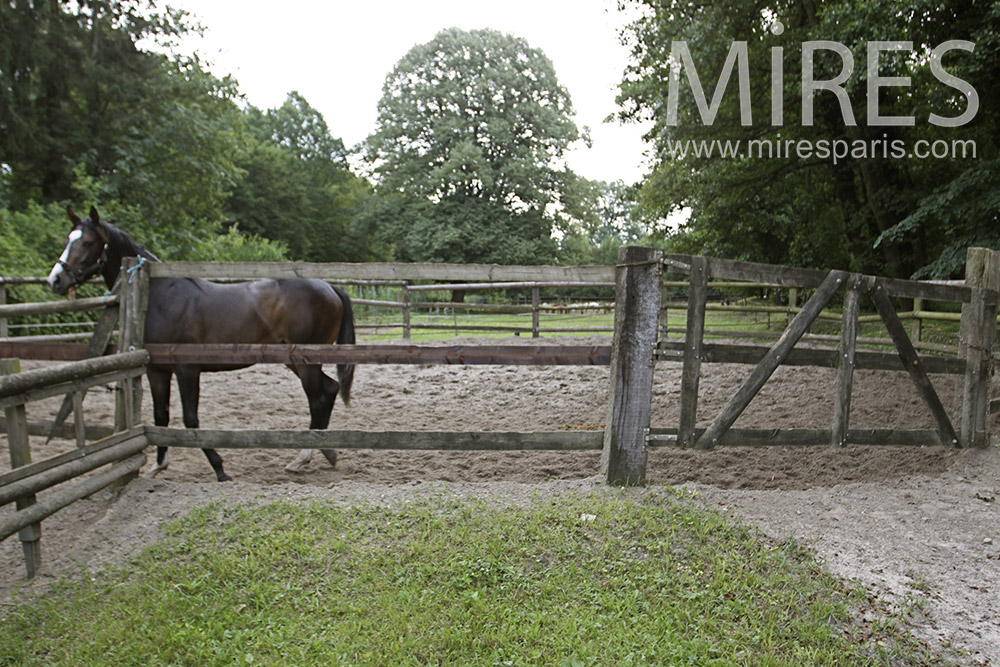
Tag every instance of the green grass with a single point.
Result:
(607, 579)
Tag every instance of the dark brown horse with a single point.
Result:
(187, 310)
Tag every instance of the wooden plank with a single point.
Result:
(693, 351)
(44, 428)
(60, 498)
(637, 310)
(846, 360)
(770, 363)
(913, 289)
(732, 353)
(746, 437)
(787, 276)
(506, 355)
(784, 276)
(66, 470)
(403, 440)
(386, 271)
(51, 307)
(69, 387)
(507, 285)
(911, 361)
(42, 377)
(45, 350)
(72, 455)
(19, 448)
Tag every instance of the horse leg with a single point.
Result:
(189, 384)
(159, 389)
(321, 392)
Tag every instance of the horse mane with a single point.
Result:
(125, 244)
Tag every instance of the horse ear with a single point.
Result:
(73, 217)
(94, 217)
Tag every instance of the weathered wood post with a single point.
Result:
(916, 331)
(20, 455)
(406, 311)
(3, 301)
(693, 341)
(846, 359)
(134, 299)
(536, 302)
(637, 308)
(979, 339)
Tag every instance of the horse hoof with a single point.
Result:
(154, 471)
(303, 458)
(331, 456)
(225, 478)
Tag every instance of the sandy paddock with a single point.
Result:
(920, 522)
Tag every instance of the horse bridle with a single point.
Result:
(82, 275)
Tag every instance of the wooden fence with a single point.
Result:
(636, 347)
(121, 451)
(409, 306)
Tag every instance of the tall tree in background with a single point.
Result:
(297, 187)
(71, 75)
(471, 131)
(875, 212)
(160, 144)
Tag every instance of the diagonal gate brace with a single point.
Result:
(911, 361)
(103, 332)
(779, 351)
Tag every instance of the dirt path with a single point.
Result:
(918, 522)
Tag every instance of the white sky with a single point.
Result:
(337, 54)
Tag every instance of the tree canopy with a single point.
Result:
(877, 208)
(468, 152)
(166, 149)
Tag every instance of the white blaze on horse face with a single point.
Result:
(74, 236)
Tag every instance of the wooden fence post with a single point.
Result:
(693, 340)
(3, 300)
(134, 299)
(916, 331)
(637, 308)
(406, 312)
(846, 359)
(536, 302)
(793, 302)
(20, 455)
(979, 338)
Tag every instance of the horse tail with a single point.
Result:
(345, 372)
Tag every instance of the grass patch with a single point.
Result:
(577, 580)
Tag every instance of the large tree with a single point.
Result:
(297, 187)
(882, 211)
(471, 133)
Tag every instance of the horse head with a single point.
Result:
(85, 253)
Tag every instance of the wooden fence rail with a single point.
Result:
(26, 479)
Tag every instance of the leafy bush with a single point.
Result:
(237, 246)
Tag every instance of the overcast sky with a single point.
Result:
(337, 54)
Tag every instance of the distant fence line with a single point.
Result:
(409, 305)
